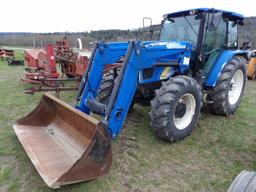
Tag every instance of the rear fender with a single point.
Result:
(219, 64)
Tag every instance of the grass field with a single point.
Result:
(208, 160)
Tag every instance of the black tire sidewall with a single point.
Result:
(220, 104)
(231, 108)
(173, 130)
(107, 85)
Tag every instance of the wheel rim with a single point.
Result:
(236, 86)
(184, 118)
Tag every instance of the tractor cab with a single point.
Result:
(210, 31)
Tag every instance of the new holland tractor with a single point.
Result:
(194, 59)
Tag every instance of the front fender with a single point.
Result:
(219, 64)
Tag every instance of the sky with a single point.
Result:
(85, 15)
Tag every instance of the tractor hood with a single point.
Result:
(170, 45)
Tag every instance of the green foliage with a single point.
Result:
(26, 39)
(247, 33)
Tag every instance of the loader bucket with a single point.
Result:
(65, 145)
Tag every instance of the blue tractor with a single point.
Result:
(195, 61)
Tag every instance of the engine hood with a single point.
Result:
(169, 44)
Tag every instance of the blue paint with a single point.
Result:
(229, 14)
(219, 64)
(143, 55)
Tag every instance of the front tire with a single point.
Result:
(176, 108)
(229, 90)
(107, 85)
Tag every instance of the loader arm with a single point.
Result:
(138, 56)
(102, 56)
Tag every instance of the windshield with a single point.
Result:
(185, 28)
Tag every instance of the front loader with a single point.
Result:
(195, 59)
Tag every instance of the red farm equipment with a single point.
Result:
(40, 65)
(31, 57)
(60, 47)
(42, 69)
(9, 56)
(6, 54)
(73, 64)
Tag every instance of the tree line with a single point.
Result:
(88, 38)
(246, 33)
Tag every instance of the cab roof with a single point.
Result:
(230, 15)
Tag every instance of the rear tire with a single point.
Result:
(176, 108)
(228, 92)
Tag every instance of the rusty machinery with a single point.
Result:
(6, 54)
(60, 47)
(40, 65)
(72, 62)
(42, 69)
